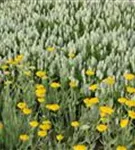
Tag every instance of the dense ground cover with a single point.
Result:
(67, 77)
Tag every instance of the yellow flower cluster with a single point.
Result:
(40, 93)
(55, 85)
(105, 111)
(90, 101)
(18, 59)
(24, 108)
(52, 107)
(41, 74)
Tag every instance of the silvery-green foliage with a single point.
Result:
(101, 34)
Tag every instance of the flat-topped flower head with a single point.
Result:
(79, 147)
(109, 80)
(24, 137)
(21, 105)
(122, 100)
(27, 111)
(131, 114)
(41, 74)
(46, 125)
(18, 58)
(121, 147)
(129, 76)
(130, 89)
(41, 100)
(130, 103)
(101, 127)
(59, 137)
(75, 124)
(124, 123)
(42, 133)
(106, 110)
(55, 85)
(52, 107)
(89, 72)
(91, 101)
(93, 87)
(33, 123)
(40, 91)
(51, 49)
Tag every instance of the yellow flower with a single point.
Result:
(93, 87)
(130, 89)
(1, 125)
(71, 55)
(39, 86)
(24, 137)
(73, 84)
(106, 110)
(46, 122)
(90, 101)
(41, 100)
(79, 147)
(101, 127)
(53, 107)
(46, 125)
(55, 85)
(18, 58)
(129, 76)
(124, 123)
(41, 74)
(50, 49)
(75, 124)
(122, 100)
(130, 103)
(109, 80)
(121, 148)
(59, 137)
(40, 92)
(89, 72)
(27, 111)
(131, 114)
(22, 105)
(33, 123)
(42, 133)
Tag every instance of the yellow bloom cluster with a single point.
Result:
(105, 110)
(40, 92)
(24, 108)
(55, 85)
(41, 74)
(24, 137)
(18, 59)
(90, 101)
(75, 124)
(90, 72)
(129, 76)
(109, 80)
(93, 87)
(79, 147)
(101, 127)
(52, 107)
